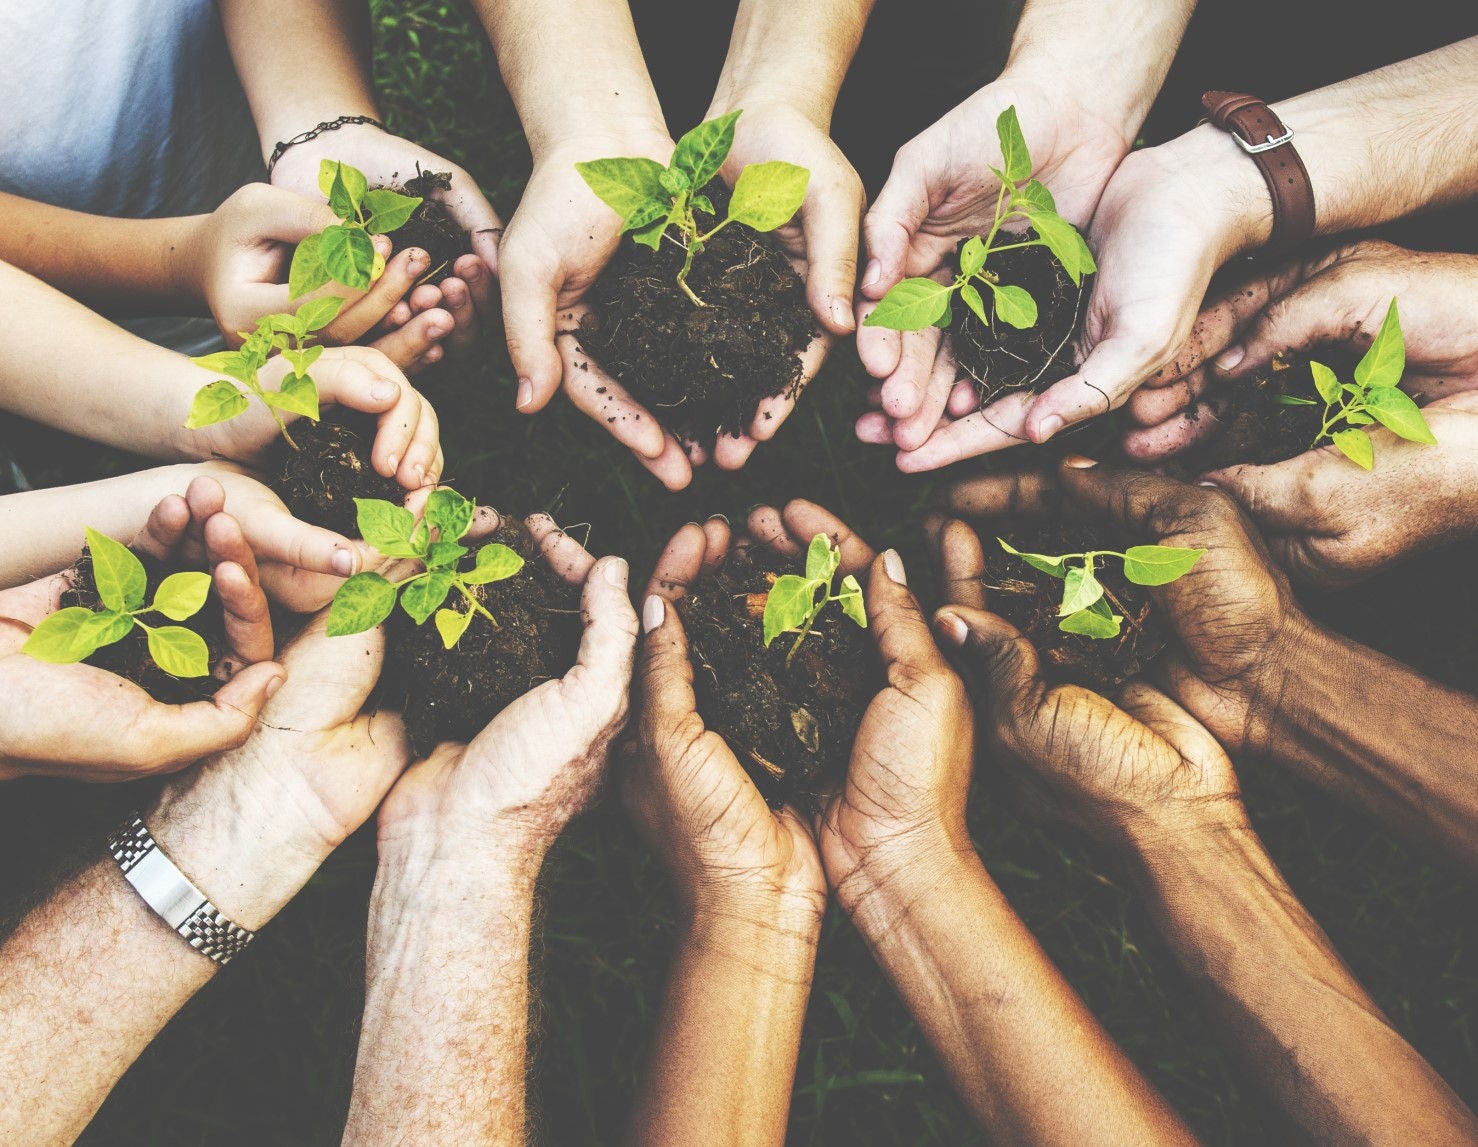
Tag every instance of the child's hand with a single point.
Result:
(407, 446)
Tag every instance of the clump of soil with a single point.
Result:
(1001, 358)
(430, 227)
(791, 728)
(319, 481)
(702, 370)
(130, 657)
(1029, 599)
(450, 694)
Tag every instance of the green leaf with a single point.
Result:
(388, 527)
(1081, 590)
(792, 599)
(241, 364)
(851, 599)
(181, 595)
(703, 203)
(822, 559)
(766, 195)
(180, 652)
(1295, 400)
(388, 210)
(218, 401)
(1014, 305)
(975, 302)
(495, 562)
(349, 256)
(1034, 196)
(972, 255)
(451, 625)
(298, 395)
(1159, 565)
(444, 555)
(1093, 622)
(316, 314)
(1014, 156)
(118, 575)
(307, 273)
(361, 603)
(1356, 417)
(673, 181)
(1356, 446)
(911, 305)
(625, 185)
(651, 235)
(1325, 381)
(1063, 240)
(1057, 567)
(449, 512)
(68, 636)
(423, 596)
(1385, 361)
(701, 152)
(1395, 410)
(346, 190)
(327, 169)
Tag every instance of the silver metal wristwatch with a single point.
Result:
(169, 892)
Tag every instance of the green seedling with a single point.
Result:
(343, 251)
(794, 602)
(1374, 396)
(76, 633)
(917, 303)
(651, 199)
(367, 599)
(1087, 607)
(223, 400)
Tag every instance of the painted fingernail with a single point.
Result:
(952, 628)
(1229, 358)
(616, 572)
(653, 610)
(1050, 426)
(384, 389)
(274, 685)
(841, 314)
(343, 562)
(894, 565)
(525, 392)
(871, 274)
(1078, 462)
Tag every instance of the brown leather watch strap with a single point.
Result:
(1259, 132)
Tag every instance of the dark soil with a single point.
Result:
(1029, 598)
(319, 481)
(702, 370)
(450, 694)
(997, 355)
(430, 227)
(792, 729)
(130, 658)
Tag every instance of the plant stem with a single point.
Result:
(805, 629)
(477, 605)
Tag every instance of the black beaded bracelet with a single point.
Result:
(315, 132)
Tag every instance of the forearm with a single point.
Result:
(443, 1044)
(781, 52)
(1290, 1009)
(1028, 1058)
(573, 69)
(723, 1058)
(301, 63)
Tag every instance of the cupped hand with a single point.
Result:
(82, 722)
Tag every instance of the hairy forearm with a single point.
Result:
(1029, 1059)
(723, 1058)
(1288, 1006)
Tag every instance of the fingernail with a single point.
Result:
(894, 565)
(525, 393)
(343, 562)
(1078, 462)
(870, 275)
(1050, 426)
(394, 461)
(418, 258)
(952, 628)
(474, 273)
(841, 314)
(616, 572)
(719, 518)
(274, 685)
(384, 390)
(1213, 485)
(435, 332)
(653, 610)
(1229, 358)
(419, 473)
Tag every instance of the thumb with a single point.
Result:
(890, 225)
(1315, 312)
(666, 674)
(1001, 665)
(1186, 735)
(1276, 496)
(897, 622)
(186, 733)
(1112, 372)
(830, 219)
(290, 218)
(529, 304)
(603, 665)
(349, 377)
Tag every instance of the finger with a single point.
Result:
(672, 467)
(603, 399)
(603, 666)
(717, 537)
(1186, 735)
(913, 430)
(665, 673)
(456, 297)
(470, 210)
(829, 218)
(424, 297)
(772, 412)
(328, 678)
(767, 528)
(1277, 497)
(473, 271)
(247, 617)
(891, 223)
(168, 522)
(961, 564)
(905, 389)
(879, 348)
(398, 316)
(1150, 407)
(1318, 311)
(964, 399)
(1004, 673)
(804, 520)
(998, 427)
(357, 317)
(897, 623)
(1104, 382)
(875, 429)
(1173, 435)
(410, 344)
(278, 536)
(729, 452)
(529, 303)
(171, 736)
(1215, 329)
(1018, 494)
(563, 554)
(680, 563)
(1142, 503)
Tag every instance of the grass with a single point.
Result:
(265, 1054)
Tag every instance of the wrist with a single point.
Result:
(1212, 174)
(284, 124)
(428, 851)
(886, 881)
(186, 258)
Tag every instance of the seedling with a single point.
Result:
(1374, 396)
(1087, 607)
(343, 251)
(76, 633)
(914, 304)
(367, 599)
(651, 198)
(794, 602)
(222, 400)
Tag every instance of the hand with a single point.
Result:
(387, 160)
(1233, 616)
(407, 446)
(941, 190)
(86, 723)
(729, 854)
(1113, 771)
(1338, 297)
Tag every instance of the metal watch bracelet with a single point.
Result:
(169, 892)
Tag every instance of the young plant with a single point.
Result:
(1374, 396)
(367, 599)
(343, 251)
(794, 602)
(651, 198)
(1087, 607)
(76, 633)
(222, 400)
(917, 303)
